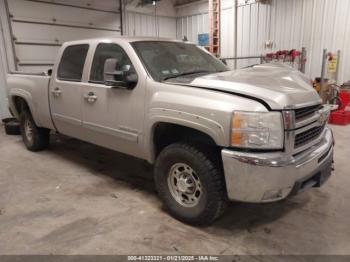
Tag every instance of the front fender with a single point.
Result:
(162, 115)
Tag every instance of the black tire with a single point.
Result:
(39, 138)
(213, 198)
(12, 126)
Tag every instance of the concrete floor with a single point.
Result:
(76, 198)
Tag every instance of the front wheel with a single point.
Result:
(35, 138)
(190, 184)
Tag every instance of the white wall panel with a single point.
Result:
(167, 27)
(35, 24)
(191, 26)
(252, 28)
(108, 5)
(3, 102)
(51, 34)
(314, 24)
(66, 14)
(5, 61)
(37, 53)
(138, 24)
(192, 19)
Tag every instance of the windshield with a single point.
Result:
(165, 60)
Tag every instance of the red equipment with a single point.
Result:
(342, 115)
(285, 55)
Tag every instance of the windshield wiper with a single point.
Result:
(187, 73)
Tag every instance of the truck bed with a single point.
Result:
(34, 88)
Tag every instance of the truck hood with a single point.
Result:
(278, 85)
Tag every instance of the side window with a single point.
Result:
(102, 53)
(72, 63)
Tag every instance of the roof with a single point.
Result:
(124, 38)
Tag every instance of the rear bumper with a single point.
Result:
(269, 177)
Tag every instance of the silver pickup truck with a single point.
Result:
(255, 135)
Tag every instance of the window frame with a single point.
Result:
(83, 68)
(93, 58)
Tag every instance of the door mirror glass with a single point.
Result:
(126, 77)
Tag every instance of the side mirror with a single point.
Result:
(124, 78)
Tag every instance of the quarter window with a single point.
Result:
(104, 52)
(72, 63)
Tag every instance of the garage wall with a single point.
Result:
(252, 27)
(138, 24)
(5, 50)
(192, 19)
(314, 24)
(141, 20)
(3, 102)
(39, 27)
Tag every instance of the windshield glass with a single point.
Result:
(165, 60)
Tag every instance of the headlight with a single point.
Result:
(257, 130)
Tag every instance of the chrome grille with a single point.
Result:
(308, 136)
(305, 112)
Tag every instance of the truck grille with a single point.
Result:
(304, 112)
(308, 136)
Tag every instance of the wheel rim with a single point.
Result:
(184, 185)
(28, 129)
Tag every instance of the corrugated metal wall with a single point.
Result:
(252, 28)
(141, 20)
(252, 32)
(314, 24)
(138, 24)
(192, 20)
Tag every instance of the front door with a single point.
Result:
(112, 116)
(66, 91)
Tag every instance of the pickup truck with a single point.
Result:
(213, 135)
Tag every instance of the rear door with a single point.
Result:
(66, 91)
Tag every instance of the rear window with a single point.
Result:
(72, 63)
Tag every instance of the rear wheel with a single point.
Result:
(190, 184)
(35, 138)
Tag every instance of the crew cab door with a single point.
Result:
(66, 91)
(113, 116)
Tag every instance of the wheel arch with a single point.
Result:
(19, 103)
(164, 133)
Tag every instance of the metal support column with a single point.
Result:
(303, 60)
(323, 72)
(236, 34)
(121, 17)
(338, 67)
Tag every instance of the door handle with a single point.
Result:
(56, 92)
(90, 97)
